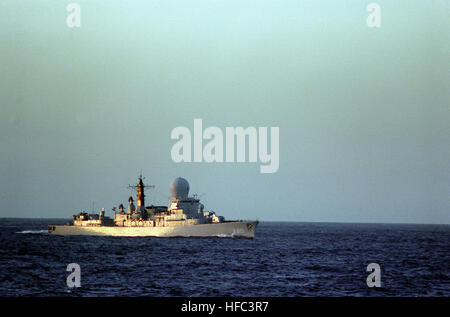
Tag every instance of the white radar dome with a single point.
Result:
(179, 188)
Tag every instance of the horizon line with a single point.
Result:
(289, 221)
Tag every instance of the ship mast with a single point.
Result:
(140, 192)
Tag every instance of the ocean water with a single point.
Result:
(285, 259)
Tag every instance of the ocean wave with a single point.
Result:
(33, 232)
(284, 259)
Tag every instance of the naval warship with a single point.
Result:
(183, 217)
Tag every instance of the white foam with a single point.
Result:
(33, 231)
(225, 235)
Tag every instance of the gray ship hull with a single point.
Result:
(236, 229)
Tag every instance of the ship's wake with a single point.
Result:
(234, 235)
(33, 232)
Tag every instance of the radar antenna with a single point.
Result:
(197, 196)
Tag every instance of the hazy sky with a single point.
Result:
(363, 112)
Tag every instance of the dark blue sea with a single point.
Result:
(284, 259)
